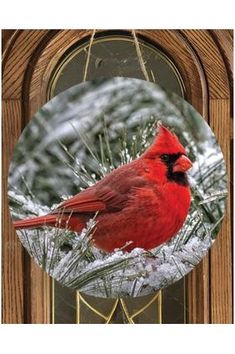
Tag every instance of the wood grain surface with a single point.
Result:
(221, 252)
(12, 250)
(204, 60)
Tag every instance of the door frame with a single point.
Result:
(204, 60)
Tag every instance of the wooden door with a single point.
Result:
(203, 59)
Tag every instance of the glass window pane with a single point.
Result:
(114, 54)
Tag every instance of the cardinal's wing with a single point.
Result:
(93, 200)
(100, 198)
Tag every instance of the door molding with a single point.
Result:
(203, 59)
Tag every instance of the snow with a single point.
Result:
(54, 157)
(136, 273)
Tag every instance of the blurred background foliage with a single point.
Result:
(79, 117)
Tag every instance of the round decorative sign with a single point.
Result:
(117, 188)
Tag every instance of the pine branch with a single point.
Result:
(84, 157)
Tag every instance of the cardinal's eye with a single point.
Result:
(165, 158)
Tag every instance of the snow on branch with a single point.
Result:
(79, 138)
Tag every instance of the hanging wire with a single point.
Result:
(140, 56)
(88, 55)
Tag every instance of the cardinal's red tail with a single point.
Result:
(73, 222)
(49, 220)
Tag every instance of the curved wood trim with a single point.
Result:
(65, 39)
(17, 61)
(28, 76)
(224, 42)
(202, 74)
(212, 61)
(8, 43)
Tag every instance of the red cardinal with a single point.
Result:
(145, 202)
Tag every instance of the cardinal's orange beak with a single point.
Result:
(182, 164)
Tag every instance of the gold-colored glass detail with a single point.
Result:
(130, 315)
(53, 301)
